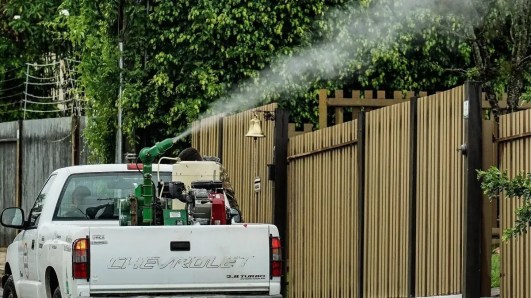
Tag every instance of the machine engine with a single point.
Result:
(195, 196)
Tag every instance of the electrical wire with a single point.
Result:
(41, 111)
(48, 103)
(66, 82)
(12, 69)
(12, 95)
(43, 65)
(42, 84)
(39, 97)
(9, 80)
(17, 86)
(43, 78)
(10, 103)
(8, 112)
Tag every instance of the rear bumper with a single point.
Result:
(192, 296)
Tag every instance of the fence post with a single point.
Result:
(75, 131)
(489, 207)
(361, 199)
(19, 156)
(412, 251)
(220, 139)
(473, 196)
(323, 108)
(280, 206)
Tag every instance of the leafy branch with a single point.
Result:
(495, 183)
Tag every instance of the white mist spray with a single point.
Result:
(377, 28)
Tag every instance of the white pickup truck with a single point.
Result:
(59, 253)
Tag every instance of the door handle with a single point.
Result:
(33, 244)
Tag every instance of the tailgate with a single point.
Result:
(188, 259)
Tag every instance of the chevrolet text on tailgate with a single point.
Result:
(119, 230)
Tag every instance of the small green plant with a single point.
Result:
(495, 269)
(495, 182)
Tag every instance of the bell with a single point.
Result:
(255, 131)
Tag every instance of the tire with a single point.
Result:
(9, 288)
(57, 293)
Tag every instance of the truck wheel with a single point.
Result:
(9, 288)
(57, 293)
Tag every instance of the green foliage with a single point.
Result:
(182, 56)
(495, 269)
(24, 38)
(199, 51)
(495, 182)
(89, 28)
(397, 47)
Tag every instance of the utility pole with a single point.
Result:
(118, 155)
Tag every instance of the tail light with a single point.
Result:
(81, 259)
(218, 214)
(276, 257)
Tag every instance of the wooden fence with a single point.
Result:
(375, 206)
(514, 157)
(244, 158)
(440, 194)
(356, 101)
(334, 109)
(323, 229)
(387, 174)
(8, 174)
(31, 150)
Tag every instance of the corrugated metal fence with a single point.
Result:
(45, 145)
(514, 157)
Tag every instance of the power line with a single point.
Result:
(9, 80)
(12, 69)
(44, 111)
(10, 103)
(43, 78)
(18, 86)
(43, 65)
(49, 102)
(42, 84)
(12, 95)
(47, 79)
(39, 97)
(8, 112)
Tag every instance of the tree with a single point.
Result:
(183, 58)
(499, 35)
(25, 38)
(495, 183)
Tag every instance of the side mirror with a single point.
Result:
(13, 217)
(235, 215)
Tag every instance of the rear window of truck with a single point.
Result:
(95, 196)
